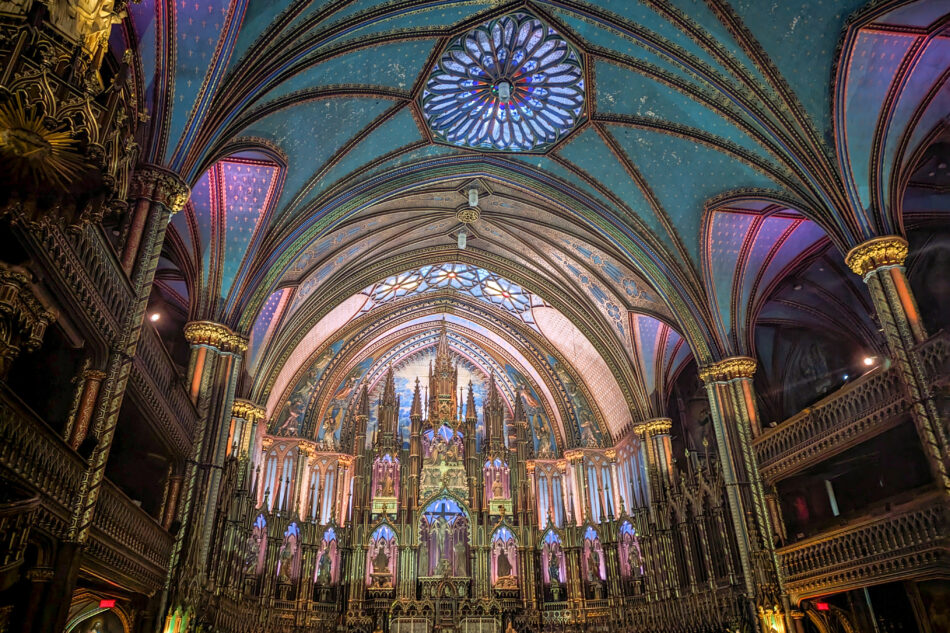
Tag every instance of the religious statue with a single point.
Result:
(91, 21)
(252, 553)
(509, 628)
(633, 559)
(388, 486)
(424, 555)
(286, 563)
(460, 559)
(441, 530)
(497, 489)
(381, 561)
(554, 566)
(503, 565)
(593, 566)
(324, 569)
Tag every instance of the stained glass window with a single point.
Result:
(511, 84)
(473, 281)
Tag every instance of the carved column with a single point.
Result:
(880, 263)
(165, 194)
(245, 418)
(655, 440)
(171, 507)
(216, 353)
(92, 380)
(735, 421)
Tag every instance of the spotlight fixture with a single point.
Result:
(868, 361)
(154, 317)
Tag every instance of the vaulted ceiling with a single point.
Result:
(716, 147)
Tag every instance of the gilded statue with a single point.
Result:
(497, 489)
(388, 486)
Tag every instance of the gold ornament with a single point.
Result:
(656, 426)
(215, 335)
(729, 369)
(889, 250)
(247, 410)
(467, 215)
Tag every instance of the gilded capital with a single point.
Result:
(656, 426)
(573, 455)
(729, 369)
(161, 186)
(889, 250)
(247, 410)
(215, 335)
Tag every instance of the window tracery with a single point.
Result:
(511, 84)
(471, 280)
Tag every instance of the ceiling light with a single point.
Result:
(504, 91)
(155, 316)
(463, 239)
(868, 361)
(473, 197)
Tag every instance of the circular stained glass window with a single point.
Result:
(512, 84)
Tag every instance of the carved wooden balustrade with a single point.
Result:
(128, 540)
(910, 540)
(33, 453)
(125, 539)
(84, 271)
(710, 610)
(155, 380)
(865, 407)
(17, 509)
(934, 354)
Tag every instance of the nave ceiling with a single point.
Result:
(719, 147)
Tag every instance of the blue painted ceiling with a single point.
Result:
(820, 109)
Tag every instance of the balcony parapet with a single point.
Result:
(156, 380)
(87, 271)
(934, 354)
(863, 408)
(710, 610)
(909, 540)
(128, 540)
(36, 455)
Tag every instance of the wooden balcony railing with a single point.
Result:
(156, 381)
(124, 537)
(864, 407)
(31, 450)
(905, 541)
(934, 354)
(84, 268)
(130, 526)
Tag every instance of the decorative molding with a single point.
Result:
(247, 410)
(159, 185)
(23, 319)
(656, 426)
(215, 335)
(728, 369)
(889, 250)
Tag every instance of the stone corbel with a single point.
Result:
(23, 318)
